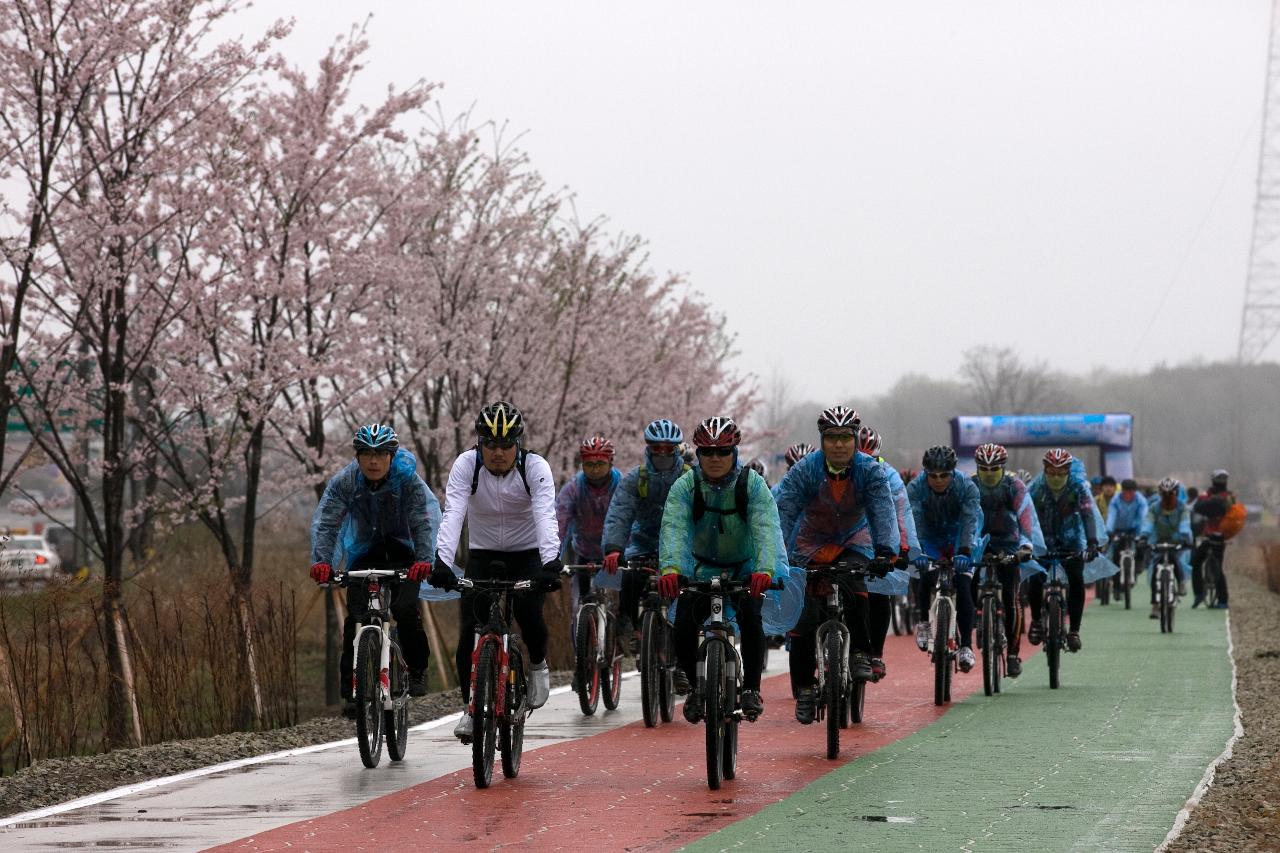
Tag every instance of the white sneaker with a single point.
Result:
(465, 726)
(923, 635)
(965, 658)
(539, 685)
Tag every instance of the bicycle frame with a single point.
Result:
(716, 629)
(378, 611)
(1128, 561)
(496, 630)
(834, 622)
(944, 587)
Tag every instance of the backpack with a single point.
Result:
(642, 482)
(740, 499)
(475, 473)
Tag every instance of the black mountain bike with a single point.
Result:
(945, 638)
(499, 686)
(1128, 561)
(1211, 569)
(720, 677)
(597, 649)
(381, 684)
(991, 635)
(657, 661)
(1165, 579)
(1054, 612)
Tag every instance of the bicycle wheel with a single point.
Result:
(1126, 579)
(857, 700)
(651, 674)
(990, 650)
(1162, 596)
(612, 676)
(714, 711)
(895, 619)
(1053, 639)
(368, 700)
(484, 740)
(833, 692)
(1104, 591)
(396, 721)
(511, 731)
(729, 766)
(1209, 579)
(667, 695)
(586, 662)
(941, 652)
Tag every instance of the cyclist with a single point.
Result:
(1106, 493)
(634, 521)
(1010, 524)
(796, 452)
(506, 495)
(377, 510)
(1168, 520)
(948, 511)
(1213, 506)
(1065, 508)
(835, 505)
(581, 508)
(720, 516)
(879, 605)
(1125, 514)
(757, 464)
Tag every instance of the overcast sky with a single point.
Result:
(867, 189)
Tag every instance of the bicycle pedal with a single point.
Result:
(465, 740)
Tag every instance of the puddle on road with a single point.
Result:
(884, 818)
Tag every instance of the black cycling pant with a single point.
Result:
(634, 586)
(880, 614)
(963, 585)
(1074, 569)
(525, 607)
(410, 633)
(692, 611)
(1197, 569)
(803, 660)
(1010, 577)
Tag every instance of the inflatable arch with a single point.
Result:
(1111, 433)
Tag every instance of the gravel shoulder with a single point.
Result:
(58, 780)
(1241, 810)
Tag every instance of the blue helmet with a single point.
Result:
(375, 437)
(663, 431)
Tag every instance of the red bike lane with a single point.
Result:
(630, 788)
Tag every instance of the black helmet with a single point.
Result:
(939, 458)
(500, 420)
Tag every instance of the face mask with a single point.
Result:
(991, 479)
(1056, 481)
(662, 463)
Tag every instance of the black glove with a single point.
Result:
(883, 562)
(442, 577)
(550, 581)
(1091, 552)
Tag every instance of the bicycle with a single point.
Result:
(1165, 580)
(991, 634)
(1055, 604)
(1128, 561)
(499, 686)
(842, 699)
(1211, 569)
(902, 613)
(720, 677)
(944, 641)
(657, 651)
(597, 649)
(380, 683)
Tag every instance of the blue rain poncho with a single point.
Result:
(1126, 516)
(351, 517)
(634, 521)
(862, 519)
(946, 521)
(1168, 525)
(581, 510)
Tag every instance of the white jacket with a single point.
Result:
(502, 515)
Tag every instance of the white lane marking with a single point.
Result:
(139, 787)
(1207, 780)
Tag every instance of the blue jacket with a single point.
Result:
(1161, 525)
(634, 522)
(1067, 519)
(1009, 516)
(906, 518)
(863, 519)
(352, 518)
(581, 511)
(1126, 516)
(721, 540)
(948, 521)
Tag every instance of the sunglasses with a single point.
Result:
(838, 437)
(662, 449)
(939, 475)
(499, 443)
(715, 451)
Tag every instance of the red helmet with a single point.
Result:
(596, 447)
(869, 441)
(835, 417)
(1057, 458)
(717, 432)
(796, 452)
(991, 455)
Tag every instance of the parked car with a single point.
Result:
(28, 557)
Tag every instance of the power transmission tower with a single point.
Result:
(1260, 318)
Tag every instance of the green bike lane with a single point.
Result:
(1104, 763)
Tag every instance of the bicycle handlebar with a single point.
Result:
(495, 584)
(341, 578)
(721, 586)
(1170, 546)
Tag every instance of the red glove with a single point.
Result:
(321, 572)
(669, 585)
(419, 571)
(611, 562)
(759, 583)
